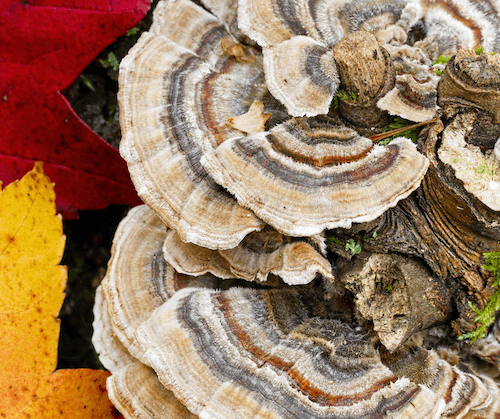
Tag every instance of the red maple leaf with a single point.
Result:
(45, 45)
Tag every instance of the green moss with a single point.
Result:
(479, 50)
(390, 287)
(111, 61)
(353, 247)
(133, 31)
(442, 59)
(86, 81)
(486, 317)
(334, 239)
(343, 95)
(486, 169)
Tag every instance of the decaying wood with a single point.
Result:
(366, 74)
(361, 64)
(443, 224)
(399, 295)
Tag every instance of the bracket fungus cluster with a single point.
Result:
(285, 264)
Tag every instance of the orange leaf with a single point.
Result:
(31, 295)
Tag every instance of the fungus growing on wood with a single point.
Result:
(467, 395)
(162, 142)
(297, 40)
(138, 394)
(133, 387)
(306, 175)
(282, 353)
(135, 283)
(412, 99)
(258, 255)
(241, 187)
(112, 353)
(301, 73)
(452, 25)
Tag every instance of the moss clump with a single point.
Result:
(487, 317)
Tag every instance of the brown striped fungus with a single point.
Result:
(287, 264)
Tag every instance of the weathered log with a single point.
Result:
(366, 74)
(399, 295)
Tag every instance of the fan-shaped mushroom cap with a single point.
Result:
(262, 354)
(135, 283)
(160, 81)
(479, 172)
(412, 99)
(133, 388)
(180, 22)
(307, 175)
(301, 74)
(138, 394)
(190, 259)
(258, 255)
(496, 150)
(465, 393)
(139, 279)
(227, 12)
(112, 354)
(271, 22)
(297, 39)
(454, 24)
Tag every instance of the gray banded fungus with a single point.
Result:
(139, 279)
(297, 40)
(135, 283)
(412, 99)
(258, 255)
(133, 387)
(138, 394)
(258, 354)
(271, 22)
(305, 85)
(196, 315)
(162, 142)
(306, 175)
(112, 353)
(467, 394)
(415, 95)
(454, 24)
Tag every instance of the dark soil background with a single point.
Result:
(89, 239)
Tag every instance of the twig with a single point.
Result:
(378, 137)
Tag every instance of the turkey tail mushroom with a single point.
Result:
(162, 141)
(260, 354)
(306, 175)
(258, 255)
(133, 387)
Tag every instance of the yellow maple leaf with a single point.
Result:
(31, 294)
